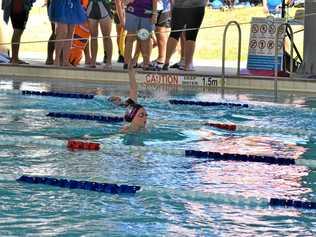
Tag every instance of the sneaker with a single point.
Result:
(176, 65)
(151, 68)
(165, 67)
(125, 66)
(190, 68)
(157, 64)
(120, 59)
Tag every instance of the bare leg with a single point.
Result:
(189, 47)
(171, 48)
(93, 26)
(162, 38)
(87, 55)
(15, 46)
(106, 27)
(51, 46)
(145, 48)
(136, 53)
(130, 38)
(61, 33)
(119, 30)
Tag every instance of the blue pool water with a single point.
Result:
(180, 196)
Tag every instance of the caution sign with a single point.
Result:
(261, 51)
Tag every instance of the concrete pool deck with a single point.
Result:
(204, 77)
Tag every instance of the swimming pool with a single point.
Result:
(180, 196)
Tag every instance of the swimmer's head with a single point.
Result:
(135, 114)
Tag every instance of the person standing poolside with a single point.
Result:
(120, 32)
(18, 11)
(162, 25)
(99, 12)
(65, 14)
(186, 14)
(140, 14)
(272, 7)
(51, 43)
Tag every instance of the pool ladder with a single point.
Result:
(224, 51)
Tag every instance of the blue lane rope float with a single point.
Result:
(205, 103)
(58, 94)
(110, 147)
(240, 157)
(276, 202)
(86, 185)
(128, 189)
(99, 118)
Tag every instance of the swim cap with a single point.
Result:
(132, 109)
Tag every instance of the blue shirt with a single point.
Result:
(163, 5)
(272, 4)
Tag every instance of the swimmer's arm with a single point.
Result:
(132, 83)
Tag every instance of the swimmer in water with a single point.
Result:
(135, 115)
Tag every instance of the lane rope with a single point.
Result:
(99, 118)
(217, 156)
(86, 185)
(58, 94)
(109, 147)
(206, 103)
(133, 189)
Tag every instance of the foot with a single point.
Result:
(91, 66)
(17, 61)
(120, 59)
(165, 67)
(189, 68)
(150, 68)
(107, 66)
(49, 61)
(157, 64)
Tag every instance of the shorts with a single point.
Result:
(18, 15)
(98, 10)
(186, 18)
(134, 23)
(163, 19)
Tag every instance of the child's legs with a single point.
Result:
(93, 26)
(146, 45)
(61, 35)
(163, 23)
(131, 26)
(106, 27)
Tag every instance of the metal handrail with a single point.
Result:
(224, 49)
(287, 26)
(276, 54)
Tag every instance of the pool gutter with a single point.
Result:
(196, 79)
